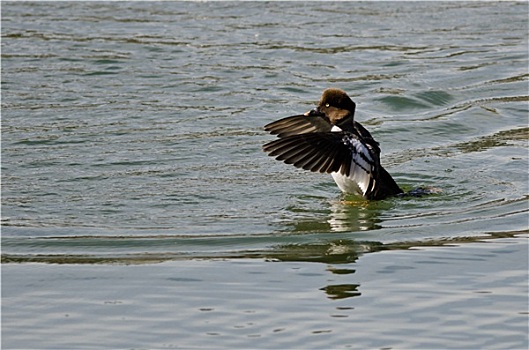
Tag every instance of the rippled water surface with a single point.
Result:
(138, 209)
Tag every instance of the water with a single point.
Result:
(131, 156)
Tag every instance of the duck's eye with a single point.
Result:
(327, 105)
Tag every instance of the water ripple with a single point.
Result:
(140, 130)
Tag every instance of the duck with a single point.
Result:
(327, 139)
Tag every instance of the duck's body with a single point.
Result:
(327, 139)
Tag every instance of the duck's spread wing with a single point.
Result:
(327, 152)
(298, 124)
(307, 142)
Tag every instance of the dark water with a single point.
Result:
(132, 134)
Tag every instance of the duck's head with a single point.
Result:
(335, 105)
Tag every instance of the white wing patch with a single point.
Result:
(360, 178)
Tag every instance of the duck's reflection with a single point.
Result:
(337, 215)
(350, 216)
(335, 252)
(341, 291)
(329, 238)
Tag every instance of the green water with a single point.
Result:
(132, 134)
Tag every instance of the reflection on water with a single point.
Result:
(431, 297)
(333, 252)
(342, 214)
(355, 215)
(342, 291)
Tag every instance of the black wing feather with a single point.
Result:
(318, 152)
(298, 124)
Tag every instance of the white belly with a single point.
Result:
(346, 184)
(357, 182)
